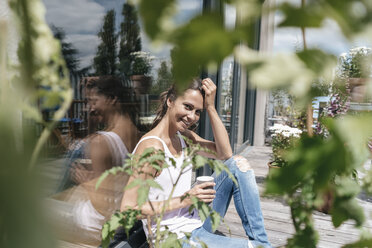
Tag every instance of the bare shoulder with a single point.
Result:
(98, 141)
(149, 143)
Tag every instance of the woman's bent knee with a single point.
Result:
(242, 163)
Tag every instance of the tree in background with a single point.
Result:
(69, 53)
(164, 79)
(130, 39)
(104, 62)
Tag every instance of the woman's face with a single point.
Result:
(99, 105)
(186, 109)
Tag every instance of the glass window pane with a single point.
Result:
(117, 77)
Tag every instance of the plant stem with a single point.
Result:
(157, 242)
(151, 235)
(48, 129)
(309, 111)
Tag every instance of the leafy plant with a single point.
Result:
(37, 71)
(283, 139)
(313, 173)
(356, 63)
(141, 64)
(201, 43)
(155, 159)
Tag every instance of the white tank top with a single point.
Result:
(85, 215)
(180, 220)
(117, 148)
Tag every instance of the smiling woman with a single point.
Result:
(176, 114)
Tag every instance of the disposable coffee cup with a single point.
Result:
(205, 179)
(87, 163)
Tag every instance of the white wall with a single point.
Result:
(266, 44)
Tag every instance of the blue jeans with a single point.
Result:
(247, 204)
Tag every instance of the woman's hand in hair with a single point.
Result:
(210, 92)
(201, 191)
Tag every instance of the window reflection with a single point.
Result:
(117, 77)
(226, 92)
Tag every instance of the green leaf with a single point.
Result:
(213, 41)
(311, 16)
(112, 171)
(152, 183)
(171, 241)
(147, 152)
(101, 178)
(135, 183)
(130, 218)
(143, 193)
(317, 60)
(199, 161)
(105, 235)
(115, 221)
(360, 243)
(152, 13)
(216, 219)
(356, 140)
(347, 209)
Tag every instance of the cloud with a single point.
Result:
(328, 37)
(81, 21)
(83, 16)
(184, 5)
(86, 45)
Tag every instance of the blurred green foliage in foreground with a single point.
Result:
(317, 166)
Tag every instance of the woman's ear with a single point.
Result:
(114, 100)
(169, 103)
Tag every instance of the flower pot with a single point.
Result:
(141, 84)
(327, 203)
(272, 167)
(358, 89)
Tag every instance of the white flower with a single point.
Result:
(285, 130)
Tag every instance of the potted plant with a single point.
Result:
(356, 68)
(140, 70)
(283, 138)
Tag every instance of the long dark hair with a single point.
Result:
(172, 94)
(114, 87)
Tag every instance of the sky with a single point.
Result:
(328, 38)
(82, 19)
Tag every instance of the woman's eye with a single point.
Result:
(198, 112)
(188, 107)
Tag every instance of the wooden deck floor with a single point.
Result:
(277, 216)
(276, 213)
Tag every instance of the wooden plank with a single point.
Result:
(65, 244)
(277, 215)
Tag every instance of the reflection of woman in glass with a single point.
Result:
(114, 106)
(176, 114)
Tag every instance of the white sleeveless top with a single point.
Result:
(117, 148)
(85, 215)
(180, 220)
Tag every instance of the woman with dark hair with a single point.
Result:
(115, 107)
(176, 115)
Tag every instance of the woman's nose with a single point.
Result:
(191, 116)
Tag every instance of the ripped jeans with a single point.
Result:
(247, 204)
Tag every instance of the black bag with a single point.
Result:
(136, 239)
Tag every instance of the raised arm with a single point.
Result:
(221, 145)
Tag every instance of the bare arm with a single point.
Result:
(101, 158)
(152, 208)
(221, 145)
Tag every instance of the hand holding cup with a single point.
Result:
(203, 190)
